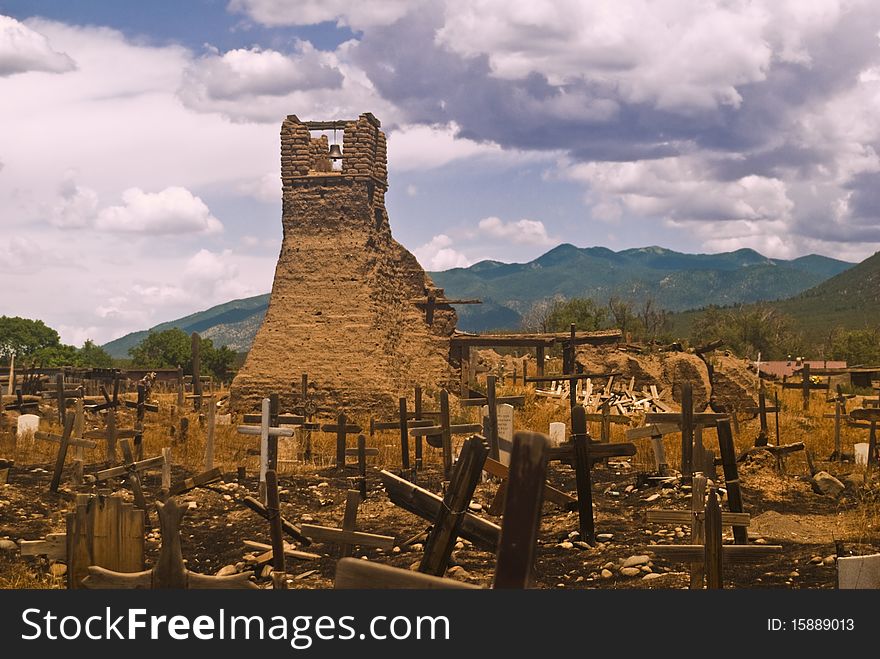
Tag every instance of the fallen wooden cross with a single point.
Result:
(131, 470)
(21, 405)
(495, 468)
(712, 554)
(347, 537)
(427, 505)
(199, 480)
(267, 553)
(53, 547)
(520, 525)
(778, 452)
(169, 570)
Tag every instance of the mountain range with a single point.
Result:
(675, 281)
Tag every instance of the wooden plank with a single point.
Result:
(446, 435)
(290, 529)
(353, 573)
(522, 512)
(731, 478)
(653, 430)
(582, 465)
(447, 524)
(341, 536)
(143, 465)
(275, 530)
(743, 554)
(687, 517)
(53, 546)
(205, 478)
(499, 470)
(427, 505)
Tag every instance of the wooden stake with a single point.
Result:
(714, 557)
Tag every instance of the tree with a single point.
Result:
(173, 347)
(94, 355)
(583, 312)
(623, 315)
(857, 347)
(23, 337)
(748, 331)
(167, 349)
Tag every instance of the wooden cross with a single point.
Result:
(196, 345)
(444, 432)
(655, 432)
(131, 470)
(427, 505)
(347, 537)
(762, 411)
(191, 483)
(582, 453)
(20, 404)
(141, 406)
(687, 420)
(268, 433)
(405, 421)
(61, 395)
(431, 301)
(871, 415)
(805, 385)
(307, 408)
(491, 401)
(169, 570)
(607, 419)
(694, 518)
(290, 529)
(64, 442)
(361, 453)
(518, 538)
(499, 470)
(111, 433)
(447, 524)
(711, 553)
(778, 452)
(342, 429)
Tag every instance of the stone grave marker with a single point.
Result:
(557, 433)
(28, 424)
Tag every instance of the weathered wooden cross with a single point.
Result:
(711, 554)
(839, 414)
(141, 407)
(342, 430)
(656, 432)
(268, 431)
(516, 547)
(582, 453)
(62, 395)
(131, 470)
(405, 421)
(347, 537)
(440, 435)
(491, 402)
(111, 433)
(21, 405)
(64, 442)
(430, 302)
(805, 385)
(361, 453)
(762, 411)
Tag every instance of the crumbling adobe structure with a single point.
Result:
(344, 304)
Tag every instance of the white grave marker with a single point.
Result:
(28, 424)
(557, 433)
(505, 430)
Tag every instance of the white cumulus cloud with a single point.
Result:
(357, 15)
(174, 210)
(23, 49)
(438, 254)
(524, 232)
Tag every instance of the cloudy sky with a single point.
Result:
(139, 155)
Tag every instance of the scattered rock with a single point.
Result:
(226, 571)
(475, 507)
(606, 574)
(458, 573)
(651, 498)
(651, 575)
(8, 545)
(635, 561)
(825, 483)
(605, 537)
(58, 569)
(565, 545)
(829, 560)
(630, 571)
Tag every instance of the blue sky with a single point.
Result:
(139, 141)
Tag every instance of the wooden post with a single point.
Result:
(181, 393)
(340, 440)
(404, 436)
(731, 478)
(522, 513)
(62, 452)
(275, 530)
(776, 405)
(806, 385)
(455, 504)
(209, 441)
(446, 437)
(492, 404)
(196, 371)
(166, 470)
(713, 550)
(762, 412)
(418, 415)
(133, 478)
(59, 396)
(539, 361)
(698, 531)
(306, 432)
(581, 438)
(272, 444)
(78, 453)
(464, 375)
(362, 461)
(687, 430)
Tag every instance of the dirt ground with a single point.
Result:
(811, 528)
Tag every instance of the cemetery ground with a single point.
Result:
(785, 510)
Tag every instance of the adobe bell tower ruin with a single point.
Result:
(344, 306)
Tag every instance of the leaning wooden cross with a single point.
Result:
(170, 570)
(361, 453)
(64, 442)
(62, 395)
(516, 547)
(347, 537)
(712, 554)
(141, 407)
(131, 470)
(111, 433)
(872, 416)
